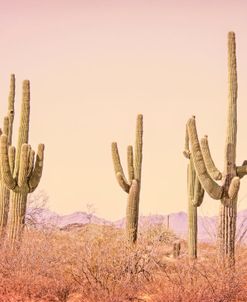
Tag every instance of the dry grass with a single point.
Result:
(95, 264)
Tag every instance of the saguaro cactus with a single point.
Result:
(21, 173)
(7, 130)
(195, 198)
(228, 191)
(133, 184)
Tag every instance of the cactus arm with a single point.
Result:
(118, 167)
(7, 177)
(209, 185)
(198, 193)
(24, 162)
(6, 126)
(138, 148)
(132, 211)
(211, 168)
(123, 184)
(11, 109)
(130, 163)
(24, 123)
(241, 171)
(186, 151)
(195, 190)
(31, 157)
(234, 188)
(38, 169)
(11, 155)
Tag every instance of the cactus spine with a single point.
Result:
(7, 130)
(195, 198)
(21, 172)
(133, 184)
(228, 191)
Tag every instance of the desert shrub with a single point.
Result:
(95, 263)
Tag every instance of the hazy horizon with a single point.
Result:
(94, 65)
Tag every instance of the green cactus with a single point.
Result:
(133, 184)
(21, 173)
(228, 191)
(195, 198)
(7, 130)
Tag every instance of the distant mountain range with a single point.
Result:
(207, 226)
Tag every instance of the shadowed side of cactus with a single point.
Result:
(21, 172)
(227, 192)
(195, 197)
(7, 130)
(131, 185)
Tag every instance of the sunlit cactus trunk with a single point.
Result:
(4, 208)
(17, 215)
(133, 184)
(192, 230)
(20, 171)
(231, 175)
(228, 211)
(7, 130)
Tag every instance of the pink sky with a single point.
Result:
(94, 65)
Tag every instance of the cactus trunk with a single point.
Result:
(195, 198)
(132, 212)
(4, 208)
(7, 130)
(17, 216)
(192, 230)
(228, 211)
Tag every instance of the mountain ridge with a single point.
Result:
(207, 225)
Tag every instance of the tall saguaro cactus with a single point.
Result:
(228, 191)
(21, 173)
(131, 186)
(195, 197)
(7, 130)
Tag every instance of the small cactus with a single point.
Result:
(20, 171)
(168, 222)
(131, 186)
(176, 249)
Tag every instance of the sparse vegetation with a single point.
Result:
(95, 263)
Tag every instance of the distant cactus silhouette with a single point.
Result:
(7, 130)
(228, 191)
(176, 249)
(20, 171)
(195, 197)
(133, 184)
(168, 222)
